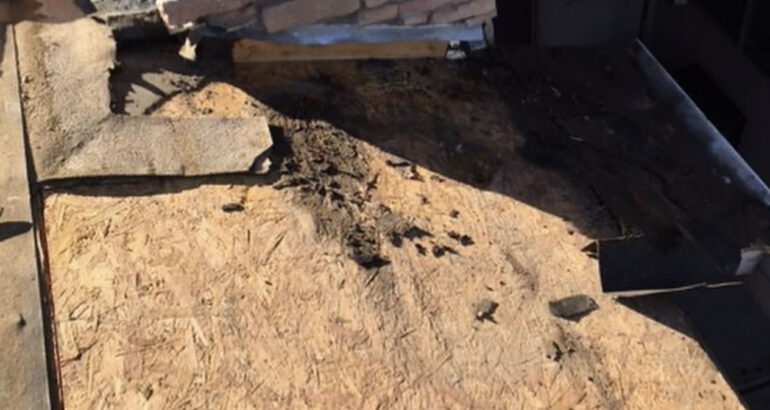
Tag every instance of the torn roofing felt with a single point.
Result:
(656, 165)
(717, 207)
(73, 133)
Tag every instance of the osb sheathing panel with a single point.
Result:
(165, 301)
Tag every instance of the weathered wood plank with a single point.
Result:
(252, 51)
(23, 375)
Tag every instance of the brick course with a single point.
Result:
(377, 15)
(178, 13)
(295, 13)
(277, 15)
(453, 13)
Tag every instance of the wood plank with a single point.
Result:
(254, 51)
(23, 375)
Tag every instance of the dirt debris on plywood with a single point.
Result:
(304, 299)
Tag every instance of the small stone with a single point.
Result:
(454, 213)
(573, 308)
(484, 310)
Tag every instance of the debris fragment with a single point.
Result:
(484, 310)
(413, 174)
(395, 239)
(397, 164)
(554, 352)
(148, 392)
(592, 250)
(233, 207)
(188, 51)
(372, 185)
(454, 214)
(464, 240)
(573, 308)
(291, 183)
(415, 232)
(441, 250)
(369, 261)
(364, 249)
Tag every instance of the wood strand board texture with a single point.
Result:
(23, 374)
(166, 301)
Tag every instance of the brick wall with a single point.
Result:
(278, 15)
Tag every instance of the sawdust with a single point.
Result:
(342, 284)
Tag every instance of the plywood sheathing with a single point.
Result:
(73, 132)
(166, 301)
(23, 368)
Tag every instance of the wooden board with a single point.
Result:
(166, 301)
(23, 374)
(254, 51)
